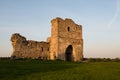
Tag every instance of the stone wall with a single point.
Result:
(23, 48)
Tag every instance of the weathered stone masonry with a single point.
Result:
(65, 43)
(23, 48)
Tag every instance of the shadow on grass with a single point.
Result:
(15, 68)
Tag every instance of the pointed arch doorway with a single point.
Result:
(69, 53)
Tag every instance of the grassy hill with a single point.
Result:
(58, 70)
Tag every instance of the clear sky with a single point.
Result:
(31, 18)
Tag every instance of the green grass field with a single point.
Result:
(58, 70)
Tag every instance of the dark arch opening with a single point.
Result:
(69, 53)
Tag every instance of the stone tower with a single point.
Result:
(66, 41)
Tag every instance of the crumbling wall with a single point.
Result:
(23, 48)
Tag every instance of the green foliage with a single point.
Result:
(101, 60)
(58, 70)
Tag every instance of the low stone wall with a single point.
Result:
(23, 48)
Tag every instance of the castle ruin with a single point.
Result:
(65, 43)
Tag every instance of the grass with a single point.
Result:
(58, 70)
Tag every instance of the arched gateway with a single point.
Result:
(69, 53)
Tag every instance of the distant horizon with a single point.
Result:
(83, 57)
(31, 18)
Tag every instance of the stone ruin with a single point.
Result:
(23, 48)
(65, 43)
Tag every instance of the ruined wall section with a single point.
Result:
(68, 29)
(23, 48)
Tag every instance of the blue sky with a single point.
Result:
(31, 18)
